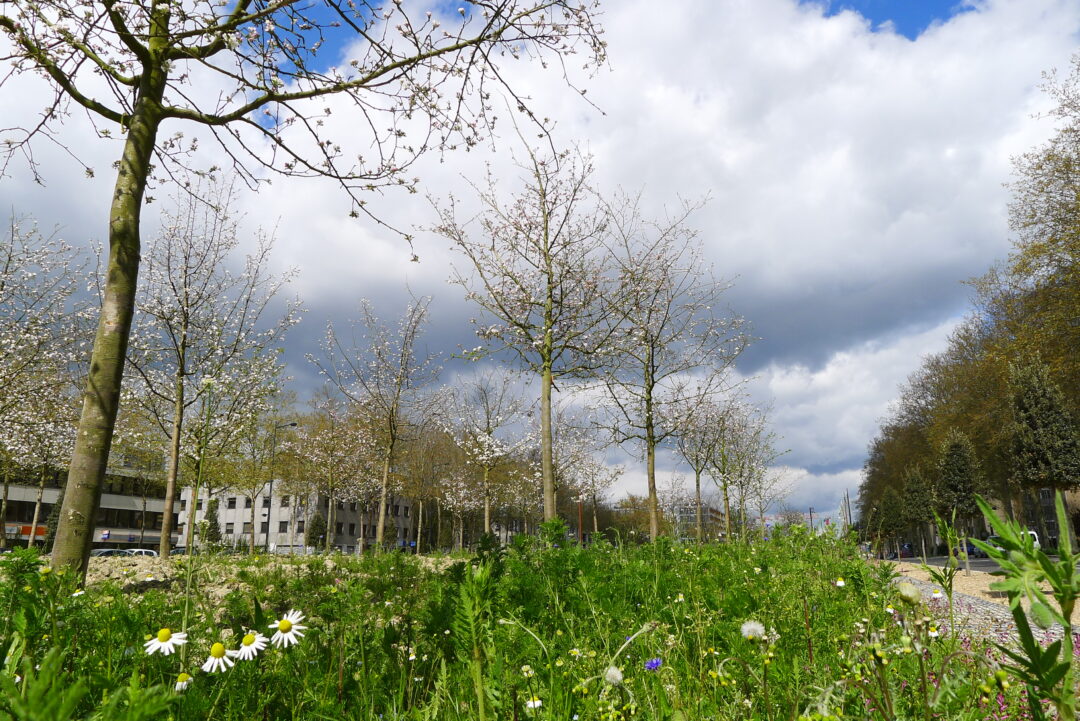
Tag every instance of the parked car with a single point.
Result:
(108, 552)
(141, 552)
(970, 549)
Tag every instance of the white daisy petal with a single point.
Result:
(288, 630)
(218, 660)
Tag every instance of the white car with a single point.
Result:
(141, 552)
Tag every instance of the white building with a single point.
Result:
(280, 521)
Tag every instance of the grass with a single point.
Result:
(529, 632)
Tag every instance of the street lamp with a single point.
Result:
(270, 495)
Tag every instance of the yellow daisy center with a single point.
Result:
(183, 678)
(284, 625)
(249, 639)
(217, 650)
(164, 635)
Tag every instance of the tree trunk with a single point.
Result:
(595, 520)
(331, 520)
(142, 520)
(438, 524)
(419, 526)
(4, 505)
(254, 513)
(697, 504)
(165, 543)
(650, 451)
(547, 467)
(37, 506)
(487, 501)
(292, 525)
(101, 398)
(384, 492)
(1040, 517)
(727, 513)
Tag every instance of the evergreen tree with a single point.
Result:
(1046, 450)
(213, 527)
(316, 530)
(918, 501)
(959, 478)
(890, 517)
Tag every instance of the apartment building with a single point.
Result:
(280, 521)
(130, 514)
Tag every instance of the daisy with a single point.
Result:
(840, 583)
(936, 594)
(890, 610)
(217, 661)
(752, 631)
(250, 646)
(166, 641)
(288, 630)
(534, 702)
(932, 632)
(182, 682)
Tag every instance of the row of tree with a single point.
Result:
(1004, 395)
(624, 314)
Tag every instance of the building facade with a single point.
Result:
(130, 514)
(280, 522)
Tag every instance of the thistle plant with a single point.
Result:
(944, 575)
(1047, 673)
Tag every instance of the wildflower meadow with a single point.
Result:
(797, 627)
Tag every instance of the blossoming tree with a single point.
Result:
(251, 77)
(196, 318)
(377, 370)
(674, 340)
(536, 266)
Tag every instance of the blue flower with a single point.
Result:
(652, 664)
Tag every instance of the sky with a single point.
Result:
(853, 155)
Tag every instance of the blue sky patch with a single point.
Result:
(909, 17)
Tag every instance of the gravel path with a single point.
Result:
(979, 616)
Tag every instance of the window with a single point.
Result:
(299, 526)
(338, 527)
(397, 510)
(264, 527)
(183, 504)
(350, 549)
(231, 502)
(285, 501)
(283, 526)
(266, 501)
(247, 503)
(230, 528)
(198, 505)
(247, 526)
(406, 511)
(352, 529)
(341, 505)
(352, 506)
